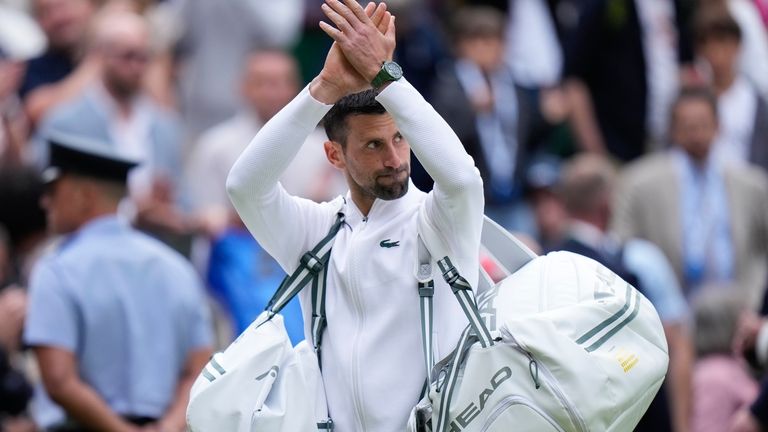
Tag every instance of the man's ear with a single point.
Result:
(335, 154)
(87, 194)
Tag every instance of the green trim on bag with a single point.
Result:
(597, 329)
(209, 376)
(614, 330)
(217, 366)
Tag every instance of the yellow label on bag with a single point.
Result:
(627, 360)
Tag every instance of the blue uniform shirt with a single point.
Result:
(128, 307)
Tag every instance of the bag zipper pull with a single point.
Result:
(533, 368)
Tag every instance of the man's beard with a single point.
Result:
(394, 190)
(122, 90)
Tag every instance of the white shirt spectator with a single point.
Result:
(533, 50)
(657, 18)
(309, 175)
(736, 108)
(753, 61)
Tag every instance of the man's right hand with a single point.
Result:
(363, 42)
(338, 77)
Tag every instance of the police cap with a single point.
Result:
(86, 157)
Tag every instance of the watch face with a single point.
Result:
(394, 70)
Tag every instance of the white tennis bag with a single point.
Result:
(562, 344)
(261, 382)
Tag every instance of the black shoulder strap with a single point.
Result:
(313, 266)
(310, 266)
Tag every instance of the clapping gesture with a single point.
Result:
(363, 40)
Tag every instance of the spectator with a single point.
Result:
(752, 341)
(65, 23)
(753, 56)
(542, 178)
(240, 273)
(565, 17)
(114, 109)
(270, 80)
(586, 189)
(20, 39)
(242, 277)
(13, 122)
(20, 213)
(722, 386)
(15, 391)
(492, 116)
(710, 220)
(753, 418)
(532, 46)
(215, 37)
(421, 43)
(743, 112)
(622, 68)
(64, 69)
(118, 323)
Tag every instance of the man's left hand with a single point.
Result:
(362, 43)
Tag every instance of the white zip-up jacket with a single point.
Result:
(372, 354)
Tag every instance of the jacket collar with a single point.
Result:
(383, 209)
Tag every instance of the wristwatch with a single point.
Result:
(390, 71)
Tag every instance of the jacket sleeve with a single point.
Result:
(284, 225)
(453, 213)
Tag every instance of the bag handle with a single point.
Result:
(426, 287)
(506, 250)
(463, 292)
(461, 289)
(509, 254)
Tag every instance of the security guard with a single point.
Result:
(118, 321)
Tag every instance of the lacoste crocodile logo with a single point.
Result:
(389, 243)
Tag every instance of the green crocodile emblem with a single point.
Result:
(389, 243)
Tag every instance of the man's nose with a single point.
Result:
(391, 157)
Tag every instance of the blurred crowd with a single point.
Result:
(631, 131)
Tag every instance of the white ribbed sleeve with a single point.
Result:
(284, 225)
(454, 209)
(270, 152)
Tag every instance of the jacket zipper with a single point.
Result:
(517, 400)
(552, 383)
(354, 293)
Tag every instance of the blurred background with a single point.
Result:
(632, 131)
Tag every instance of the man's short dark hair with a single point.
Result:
(472, 22)
(714, 23)
(335, 121)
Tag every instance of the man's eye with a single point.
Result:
(371, 144)
(398, 138)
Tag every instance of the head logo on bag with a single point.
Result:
(472, 410)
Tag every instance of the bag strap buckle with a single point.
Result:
(451, 275)
(326, 425)
(426, 289)
(311, 262)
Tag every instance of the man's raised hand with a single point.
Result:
(365, 43)
(338, 77)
